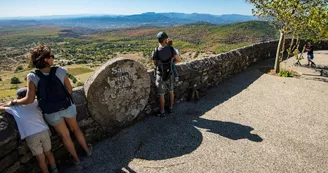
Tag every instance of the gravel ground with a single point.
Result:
(253, 122)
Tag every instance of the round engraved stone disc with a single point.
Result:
(117, 92)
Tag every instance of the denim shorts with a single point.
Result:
(310, 56)
(55, 118)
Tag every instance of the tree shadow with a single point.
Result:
(321, 67)
(157, 138)
(318, 79)
(233, 131)
(316, 68)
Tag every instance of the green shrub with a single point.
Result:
(285, 73)
(73, 78)
(19, 68)
(14, 80)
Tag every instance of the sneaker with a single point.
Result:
(161, 114)
(74, 161)
(54, 170)
(90, 150)
(176, 79)
(171, 110)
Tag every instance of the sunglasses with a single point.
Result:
(43, 56)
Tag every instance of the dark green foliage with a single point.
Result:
(14, 80)
(74, 80)
(19, 68)
(285, 73)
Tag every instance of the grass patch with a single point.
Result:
(7, 95)
(8, 90)
(78, 70)
(84, 77)
(5, 84)
(228, 47)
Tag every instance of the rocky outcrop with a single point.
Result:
(117, 92)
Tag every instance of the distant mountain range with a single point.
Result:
(125, 21)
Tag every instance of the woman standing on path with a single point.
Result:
(53, 90)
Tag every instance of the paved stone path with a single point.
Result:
(253, 122)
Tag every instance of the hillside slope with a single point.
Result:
(82, 50)
(201, 34)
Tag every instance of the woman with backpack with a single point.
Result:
(53, 90)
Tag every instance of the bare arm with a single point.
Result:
(155, 62)
(177, 58)
(308, 48)
(2, 109)
(68, 85)
(30, 94)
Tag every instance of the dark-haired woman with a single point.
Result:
(61, 120)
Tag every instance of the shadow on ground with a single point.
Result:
(157, 138)
(320, 75)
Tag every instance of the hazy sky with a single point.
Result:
(14, 8)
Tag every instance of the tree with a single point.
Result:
(303, 19)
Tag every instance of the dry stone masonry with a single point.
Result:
(15, 156)
(122, 92)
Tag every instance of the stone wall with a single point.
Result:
(208, 72)
(195, 75)
(16, 157)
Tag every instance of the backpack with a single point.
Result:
(52, 95)
(164, 67)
